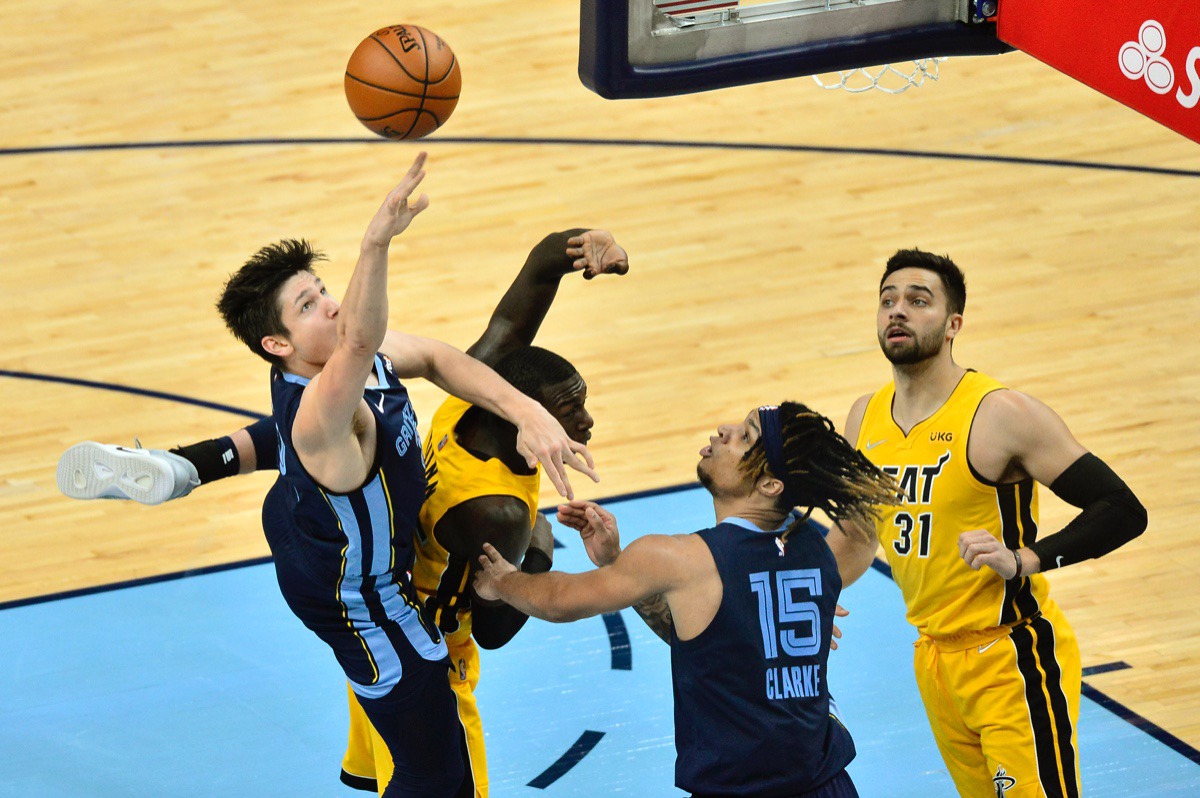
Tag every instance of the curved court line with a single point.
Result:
(145, 580)
(582, 747)
(111, 386)
(618, 634)
(588, 740)
(618, 641)
(662, 143)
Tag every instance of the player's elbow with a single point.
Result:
(558, 613)
(487, 641)
(360, 342)
(1139, 519)
(562, 607)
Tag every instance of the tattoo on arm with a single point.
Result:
(657, 615)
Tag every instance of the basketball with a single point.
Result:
(402, 82)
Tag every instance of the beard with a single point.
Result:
(705, 478)
(914, 350)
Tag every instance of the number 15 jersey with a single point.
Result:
(942, 497)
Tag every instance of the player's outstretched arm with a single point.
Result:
(540, 438)
(597, 530)
(650, 565)
(322, 431)
(1016, 436)
(519, 315)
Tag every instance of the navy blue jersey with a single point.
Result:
(343, 559)
(752, 706)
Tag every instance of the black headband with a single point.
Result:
(772, 438)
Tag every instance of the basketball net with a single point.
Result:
(889, 78)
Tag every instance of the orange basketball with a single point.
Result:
(402, 82)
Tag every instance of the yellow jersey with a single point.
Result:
(454, 476)
(942, 497)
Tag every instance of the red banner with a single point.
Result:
(1145, 54)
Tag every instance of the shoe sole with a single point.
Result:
(92, 471)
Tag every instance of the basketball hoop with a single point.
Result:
(888, 78)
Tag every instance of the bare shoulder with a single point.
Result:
(854, 418)
(1015, 434)
(1011, 412)
(676, 556)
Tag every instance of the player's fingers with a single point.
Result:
(582, 449)
(573, 520)
(560, 484)
(410, 183)
(417, 165)
(574, 461)
(421, 204)
(557, 471)
(840, 611)
(596, 521)
(490, 552)
(568, 511)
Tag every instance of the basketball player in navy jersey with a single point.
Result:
(751, 601)
(479, 486)
(341, 517)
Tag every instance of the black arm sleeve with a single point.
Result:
(1112, 516)
(266, 444)
(493, 625)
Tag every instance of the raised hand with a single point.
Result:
(597, 530)
(396, 214)
(541, 439)
(597, 252)
(492, 566)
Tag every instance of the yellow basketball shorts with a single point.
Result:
(1004, 710)
(367, 764)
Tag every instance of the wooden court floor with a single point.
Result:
(146, 153)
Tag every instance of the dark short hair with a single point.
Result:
(953, 279)
(531, 369)
(249, 302)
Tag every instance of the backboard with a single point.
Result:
(1143, 53)
(652, 48)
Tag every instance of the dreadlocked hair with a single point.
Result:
(824, 471)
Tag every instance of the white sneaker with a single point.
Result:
(92, 470)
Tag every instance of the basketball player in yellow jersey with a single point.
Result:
(481, 490)
(996, 662)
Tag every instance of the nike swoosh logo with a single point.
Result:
(380, 403)
(876, 443)
(989, 645)
(1058, 561)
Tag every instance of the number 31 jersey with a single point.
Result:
(942, 497)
